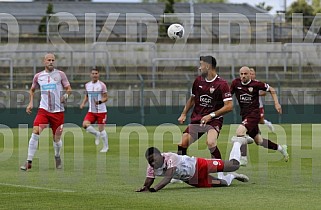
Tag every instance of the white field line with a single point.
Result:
(37, 188)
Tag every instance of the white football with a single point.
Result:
(175, 31)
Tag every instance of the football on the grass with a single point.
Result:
(175, 31)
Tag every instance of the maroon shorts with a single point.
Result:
(196, 131)
(203, 167)
(251, 122)
(100, 118)
(54, 119)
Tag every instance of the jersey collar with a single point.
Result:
(212, 79)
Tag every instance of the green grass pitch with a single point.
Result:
(93, 180)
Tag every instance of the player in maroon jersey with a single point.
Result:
(247, 94)
(210, 100)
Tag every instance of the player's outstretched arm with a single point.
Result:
(165, 181)
(189, 104)
(277, 105)
(148, 182)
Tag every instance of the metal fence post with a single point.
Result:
(142, 105)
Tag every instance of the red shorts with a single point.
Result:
(54, 119)
(196, 131)
(100, 118)
(262, 112)
(203, 167)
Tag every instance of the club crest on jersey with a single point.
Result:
(250, 89)
(212, 90)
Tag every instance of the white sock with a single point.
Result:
(228, 178)
(57, 146)
(104, 137)
(280, 148)
(33, 146)
(92, 130)
(220, 175)
(236, 151)
(266, 122)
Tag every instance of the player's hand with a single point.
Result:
(81, 106)
(143, 189)
(205, 119)
(278, 108)
(29, 108)
(64, 98)
(182, 118)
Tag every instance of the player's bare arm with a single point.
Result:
(166, 180)
(66, 95)
(82, 105)
(148, 182)
(277, 105)
(30, 105)
(189, 104)
(228, 107)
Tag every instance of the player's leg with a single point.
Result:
(101, 120)
(40, 122)
(241, 131)
(56, 122)
(189, 136)
(88, 120)
(266, 143)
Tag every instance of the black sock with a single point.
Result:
(181, 150)
(269, 144)
(215, 153)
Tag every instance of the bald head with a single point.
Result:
(49, 60)
(245, 74)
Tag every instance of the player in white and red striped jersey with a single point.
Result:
(96, 95)
(193, 171)
(55, 90)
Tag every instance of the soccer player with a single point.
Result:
(262, 120)
(96, 95)
(247, 92)
(193, 171)
(210, 100)
(55, 90)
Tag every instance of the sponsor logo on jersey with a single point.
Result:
(48, 87)
(205, 100)
(245, 98)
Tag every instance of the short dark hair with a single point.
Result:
(209, 59)
(94, 69)
(152, 150)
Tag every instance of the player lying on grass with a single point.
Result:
(193, 171)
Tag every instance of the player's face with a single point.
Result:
(252, 74)
(49, 62)
(94, 75)
(204, 68)
(245, 75)
(155, 160)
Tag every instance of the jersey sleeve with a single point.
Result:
(194, 88)
(263, 86)
(232, 87)
(150, 172)
(35, 83)
(226, 93)
(64, 80)
(103, 88)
